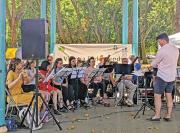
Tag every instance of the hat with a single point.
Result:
(162, 36)
(137, 66)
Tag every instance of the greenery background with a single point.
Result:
(98, 21)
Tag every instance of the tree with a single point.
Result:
(98, 21)
(15, 12)
(177, 21)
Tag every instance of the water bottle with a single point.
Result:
(86, 100)
(46, 119)
(78, 103)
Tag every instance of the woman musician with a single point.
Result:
(61, 84)
(47, 87)
(96, 83)
(16, 77)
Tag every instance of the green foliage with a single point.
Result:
(100, 21)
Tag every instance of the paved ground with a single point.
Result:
(111, 120)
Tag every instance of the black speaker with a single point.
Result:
(34, 38)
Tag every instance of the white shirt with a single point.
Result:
(166, 62)
(31, 73)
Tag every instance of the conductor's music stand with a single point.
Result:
(122, 69)
(147, 76)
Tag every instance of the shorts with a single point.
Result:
(161, 86)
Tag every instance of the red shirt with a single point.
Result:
(45, 86)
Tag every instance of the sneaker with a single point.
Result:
(64, 110)
(57, 112)
(37, 128)
(129, 103)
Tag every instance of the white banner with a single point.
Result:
(84, 51)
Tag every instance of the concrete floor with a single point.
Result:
(111, 120)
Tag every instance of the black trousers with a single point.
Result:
(82, 93)
(77, 90)
(28, 88)
(96, 87)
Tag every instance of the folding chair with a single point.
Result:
(11, 104)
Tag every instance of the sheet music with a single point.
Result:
(96, 72)
(118, 76)
(101, 71)
(138, 73)
(78, 72)
(65, 72)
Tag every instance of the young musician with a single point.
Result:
(79, 62)
(96, 83)
(107, 80)
(166, 63)
(46, 86)
(72, 84)
(50, 58)
(16, 77)
(61, 84)
(31, 71)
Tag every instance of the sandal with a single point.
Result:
(106, 103)
(71, 107)
(167, 119)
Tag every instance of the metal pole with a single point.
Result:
(135, 28)
(125, 22)
(53, 25)
(2, 60)
(43, 9)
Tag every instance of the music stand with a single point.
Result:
(122, 69)
(109, 68)
(64, 72)
(146, 102)
(96, 73)
(77, 73)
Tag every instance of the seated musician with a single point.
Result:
(31, 71)
(79, 62)
(46, 86)
(77, 91)
(127, 83)
(101, 61)
(96, 83)
(50, 58)
(72, 85)
(107, 81)
(61, 84)
(16, 77)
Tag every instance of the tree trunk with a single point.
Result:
(13, 24)
(177, 21)
(59, 22)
